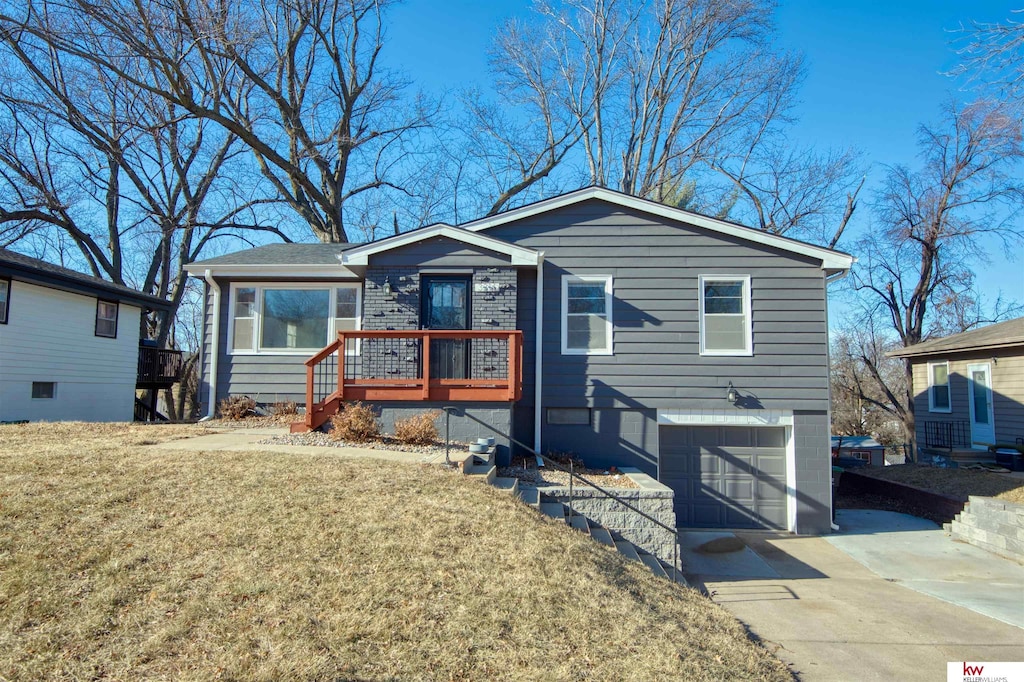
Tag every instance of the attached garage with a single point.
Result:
(726, 476)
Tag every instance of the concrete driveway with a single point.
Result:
(889, 597)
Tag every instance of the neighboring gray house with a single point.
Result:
(969, 389)
(626, 331)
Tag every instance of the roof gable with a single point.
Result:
(830, 260)
(519, 255)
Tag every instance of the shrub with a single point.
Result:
(236, 407)
(285, 408)
(355, 423)
(418, 429)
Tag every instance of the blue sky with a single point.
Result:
(874, 73)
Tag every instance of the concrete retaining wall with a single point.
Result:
(942, 507)
(993, 525)
(651, 497)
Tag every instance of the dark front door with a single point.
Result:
(445, 305)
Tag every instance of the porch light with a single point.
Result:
(732, 395)
(387, 286)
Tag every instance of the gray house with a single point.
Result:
(622, 330)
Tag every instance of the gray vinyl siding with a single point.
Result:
(656, 361)
(1007, 367)
(438, 252)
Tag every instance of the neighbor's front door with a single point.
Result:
(446, 305)
(979, 395)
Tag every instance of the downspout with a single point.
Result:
(538, 362)
(214, 351)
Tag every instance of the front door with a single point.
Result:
(979, 396)
(445, 304)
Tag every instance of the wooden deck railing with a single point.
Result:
(158, 367)
(457, 365)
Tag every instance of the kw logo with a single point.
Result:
(973, 670)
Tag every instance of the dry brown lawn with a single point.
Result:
(120, 561)
(959, 483)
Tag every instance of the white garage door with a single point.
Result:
(725, 476)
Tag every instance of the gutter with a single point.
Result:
(538, 362)
(214, 340)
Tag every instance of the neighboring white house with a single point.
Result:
(69, 343)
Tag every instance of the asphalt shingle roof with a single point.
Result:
(282, 254)
(999, 335)
(56, 275)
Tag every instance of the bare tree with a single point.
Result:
(993, 55)
(297, 82)
(917, 266)
(865, 385)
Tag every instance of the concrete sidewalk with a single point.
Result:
(832, 618)
(246, 440)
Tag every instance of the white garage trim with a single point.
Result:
(725, 417)
(734, 417)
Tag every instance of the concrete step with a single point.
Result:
(507, 484)
(487, 472)
(555, 510)
(530, 496)
(580, 523)
(627, 550)
(652, 563)
(602, 536)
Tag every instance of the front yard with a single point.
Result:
(122, 561)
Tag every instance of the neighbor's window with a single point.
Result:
(938, 387)
(106, 319)
(5, 299)
(725, 315)
(44, 390)
(587, 315)
(569, 415)
(278, 319)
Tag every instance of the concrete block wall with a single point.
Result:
(813, 472)
(461, 429)
(993, 525)
(651, 497)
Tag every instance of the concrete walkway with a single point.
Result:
(246, 440)
(832, 617)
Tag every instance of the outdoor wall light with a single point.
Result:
(387, 286)
(732, 395)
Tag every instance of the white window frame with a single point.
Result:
(610, 326)
(931, 395)
(747, 315)
(257, 326)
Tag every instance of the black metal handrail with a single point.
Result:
(449, 409)
(947, 434)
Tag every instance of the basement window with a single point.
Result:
(567, 416)
(44, 390)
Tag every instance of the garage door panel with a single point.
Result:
(725, 476)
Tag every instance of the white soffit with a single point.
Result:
(833, 260)
(360, 255)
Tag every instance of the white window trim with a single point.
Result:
(258, 315)
(607, 280)
(949, 392)
(747, 314)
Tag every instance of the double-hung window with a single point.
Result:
(725, 327)
(938, 387)
(587, 315)
(106, 319)
(5, 299)
(282, 319)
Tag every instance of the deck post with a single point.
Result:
(425, 365)
(513, 351)
(341, 366)
(309, 396)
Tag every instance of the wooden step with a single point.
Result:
(627, 550)
(555, 510)
(580, 523)
(652, 563)
(602, 536)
